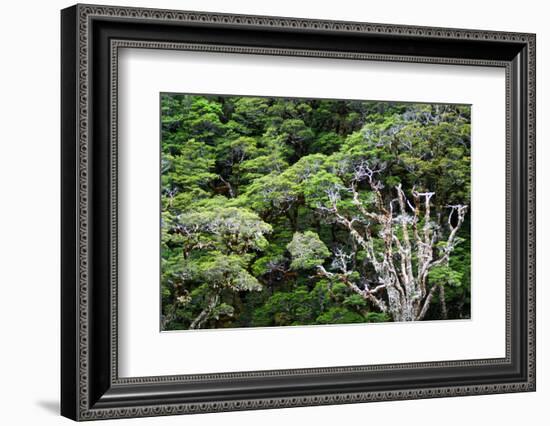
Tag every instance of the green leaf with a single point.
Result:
(307, 250)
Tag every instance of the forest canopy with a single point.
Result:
(289, 211)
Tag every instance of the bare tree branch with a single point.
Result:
(409, 235)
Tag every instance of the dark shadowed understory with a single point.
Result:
(288, 211)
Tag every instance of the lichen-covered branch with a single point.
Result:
(410, 237)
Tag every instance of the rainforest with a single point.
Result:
(293, 212)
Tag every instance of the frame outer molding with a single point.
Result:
(76, 402)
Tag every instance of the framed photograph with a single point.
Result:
(263, 212)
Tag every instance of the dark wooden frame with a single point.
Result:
(90, 386)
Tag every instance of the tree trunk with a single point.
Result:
(409, 237)
(205, 313)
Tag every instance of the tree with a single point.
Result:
(221, 274)
(307, 250)
(401, 243)
(288, 211)
(217, 245)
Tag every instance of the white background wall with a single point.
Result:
(29, 213)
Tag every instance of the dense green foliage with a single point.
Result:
(245, 193)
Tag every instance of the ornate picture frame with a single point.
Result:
(91, 37)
